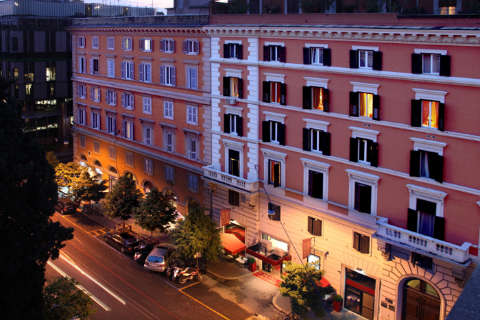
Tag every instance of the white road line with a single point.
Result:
(80, 287)
(69, 261)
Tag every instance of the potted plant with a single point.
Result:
(252, 265)
(337, 302)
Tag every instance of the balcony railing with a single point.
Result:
(442, 249)
(230, 180)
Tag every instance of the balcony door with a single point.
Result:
(420, 301)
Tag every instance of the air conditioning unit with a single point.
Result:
(232, 100)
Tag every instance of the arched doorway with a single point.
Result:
(420, 301)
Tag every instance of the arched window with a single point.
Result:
(113, 170)
(420, 301)
(97, 163)
(83, 157)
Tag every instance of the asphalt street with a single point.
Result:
(123, 289)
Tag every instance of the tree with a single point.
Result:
(156, 211)
(300, 285)
(197, 234)
(52, 159)
(124, 199)
(64, 301)
(29, 237)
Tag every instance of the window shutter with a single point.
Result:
(364, 244)
(239, 124)
(310, 225)
(283, 94)
(185, 46)
(226, 86)
(91, 66)
(354, 104)
(306, 56)
(173, 75)
(353, 149)
(354, 59)
(376, 107)
(196, 46)
(281, 134)
(266, 91)
(266, 131)
(441, 116)
(240, 51)
(439, 228)
(240, 88)
(317, 227)
(162, 45)
(436, 166)
(416, 113)
(372, 153)
(412, 220)
(141, 44)
(325, 138)
(162, 74)
(356, 241)
(414, 163)
(307, 98)
(123, 100)
(226, 51)
(327, 57)
(306, 139)
(377, 60)
(282, 54)
(124, 128)
(365, 199)
(416, 63)
(226, 123)
(140, 71)
(124, 75)
(266, 51)
(114, 98)
(445, 65)
(276, 173)
(326, 100)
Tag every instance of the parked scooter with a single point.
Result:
(189, 274)
(176, 273)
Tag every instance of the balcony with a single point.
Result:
(230, 180)
(420, 242)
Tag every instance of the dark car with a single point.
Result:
(65, 206)
(141, 252)
(123, 241)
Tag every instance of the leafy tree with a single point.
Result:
(299, 284)
(64, 301)
(124, 199)
(28, 193)
(156, 211)
(197, 234)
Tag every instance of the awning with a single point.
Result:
(322, 283)
(231, 243)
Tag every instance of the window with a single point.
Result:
(192, 77)
(145, 72)
(81, 42)
(193, 183)
(94, 68)
(147, 105)
(234, 162)
(362, 192)
(191, 47)
(192, 115)
(364, 104)
(111, 68)
(111, 97)
(148, 135)
(314, 226)
(431, 62)
(428, 114)
(363, 198)
(317, 55)
(96, 120)
(233, 87)
(111, 124)
(50, 74)
(127, 129)
(426, 164)
(167, 45)
(233, 198)
(315, 98)
(82, 141)
(168, 109)
(82, 65)
(95, 42)
(315, 184)
(232, 123)
(169, 174)
(96, 147)
(274, 173)
(14, 44)
(82, 116)
(366, 59)
(274, 92)
(273, 214)
(111, 43)
(82, 91)
(169, 139)
(148, 166)
(129, 158)
(192, 146)
(146, 45)
(361, 243)
(233, 50)
(127, 44)
(364, 151)
(274, 53)
(316, 140)
(128, 101)
(112, 153)
(167, 75)
(273, 131)
(96, 94)
(127, 70)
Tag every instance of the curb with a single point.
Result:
(274, 299)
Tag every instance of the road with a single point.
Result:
(123, 289)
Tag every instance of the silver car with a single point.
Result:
(157, 258)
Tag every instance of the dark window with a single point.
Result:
(315, 184)
(273, 131)
(233, 50)
(426, 164)
(274, 92)
(422, 261)
(363, 198)
(273, 211)
(274, 53)
(233, 123)
(234, 162)
(424, 220)
(233, 198)
(274, 173)
(364, 151)
(361, 243)
(314, 226)
(315, 98)
(95, 66)
(316, 140)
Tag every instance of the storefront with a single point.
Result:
(272, 253)
(359, 293)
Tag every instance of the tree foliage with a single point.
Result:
(156, 211)
(64, 301)
(124, 199)
(197, 234)
(28, 193)
(299, 284)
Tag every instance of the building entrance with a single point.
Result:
(420, 301)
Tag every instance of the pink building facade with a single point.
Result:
(352, 147)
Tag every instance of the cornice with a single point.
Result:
(136, 29)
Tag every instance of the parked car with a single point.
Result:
(141, 252)
(157, 258)
(123, 241)
(65, 206)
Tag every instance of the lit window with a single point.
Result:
(430, 114)
(50, 74)
(234, 162)
(127, 44)
(366, 104)
(274, 173)
(146, 45)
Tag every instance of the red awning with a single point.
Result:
(323, 283)
(231, 243)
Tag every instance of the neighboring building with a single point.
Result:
(350, 144)
(141, 101)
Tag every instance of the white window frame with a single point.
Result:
(320, 55)
(82, 64)
(129, 129)
(81, 41)
(275, 156)
(168, 109)
(168, 45)
(192, 115)
(127, 43)
(321, 167)
(188, 76)
(96, 94)
(235, 146)
(129, 100)
(95, 121)
(193, 181)
(146, 140)
(147, 104)
(192, 138)
(111, 43)
(365, 178)
(167, 131)
(111, 123)
(82, 116)
(145, 72)
(95, 42)
(145, 41)
(148, 166)
(168, 75)
(367, 56)
(111, 97)
(191, 46)
(232, 121)
(435, 196)
(129, 67)
(111, 68)
(430, 52)
(82, 91)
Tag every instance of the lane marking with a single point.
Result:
(63, 256)
(204, 305)
(190, 285)
(80, 287)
